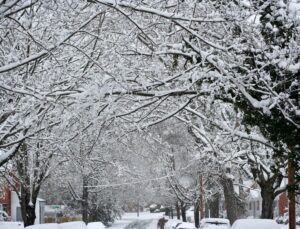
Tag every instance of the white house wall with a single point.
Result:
(15, 204)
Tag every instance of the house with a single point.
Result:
(5, 199)
(254, 202)
(282, 205)
(9, 202)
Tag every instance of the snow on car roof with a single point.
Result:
(255, 223)
(213, 220)
(186, 226)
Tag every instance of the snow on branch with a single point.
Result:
(44, 53)
(167, 15)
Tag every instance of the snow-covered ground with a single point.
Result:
(145, 220)
(283, 226)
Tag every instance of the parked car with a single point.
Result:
(298, 220)
(156, 208)
(279, 220)
(255, 224)
(214, 223)
(185, 226)
(153, 207)
(4, 216)
(172, 223)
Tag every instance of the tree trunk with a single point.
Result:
(183, 211)
(27, 209)
(202, 202)
(292, 195)
(172, 215)
(28, 193)
(196, 215)
(177, 210)
(84, 202)
(231, 201)
(214, 206)
(28, 215)
(267, 194)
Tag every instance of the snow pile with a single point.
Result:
(73, 225)
(95, 225)
(255, 223)
(43, 226)
(11, 225)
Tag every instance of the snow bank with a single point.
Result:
(11, 225)
(43, 226)
(95, 225)
(73, 225)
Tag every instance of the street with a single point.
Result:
(146, 220)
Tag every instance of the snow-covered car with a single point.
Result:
(153, 207)
(73, 225)
(255, 224)
(4, 216)
(95, 225)
(214, 223)
(298, 220)
(172, 223)
(44, 226)
(185, 226)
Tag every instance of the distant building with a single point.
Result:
(9, 202)
(254, 202)
(5, 199)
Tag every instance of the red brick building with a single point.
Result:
(283, 202)
(5, 199)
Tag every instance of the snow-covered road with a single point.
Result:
(139, 224)
(146, 220)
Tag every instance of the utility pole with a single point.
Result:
(138, 208)
(291, 194)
